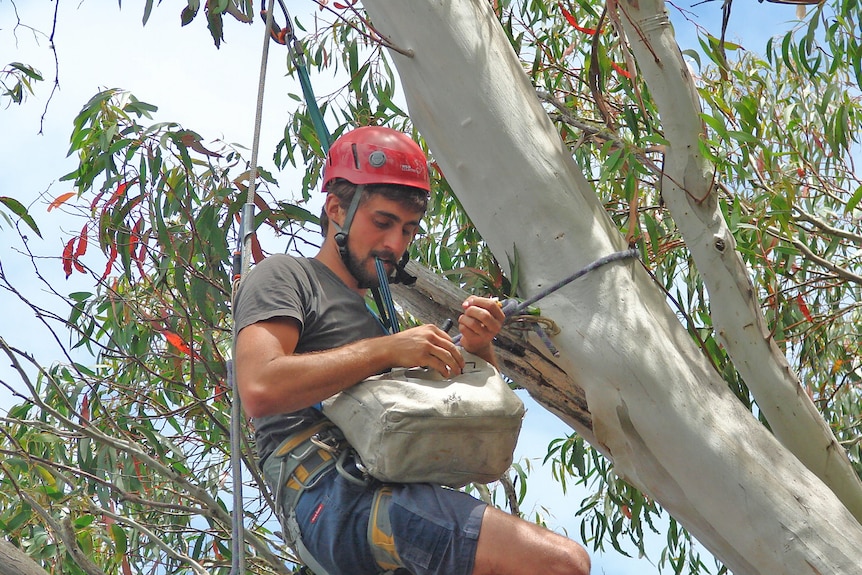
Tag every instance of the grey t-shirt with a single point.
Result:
(329, 313)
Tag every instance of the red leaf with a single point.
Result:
(260, 203)
(133, 240)
(60, 200)
(111, 259)
(118, 193)
(142, 253)
(176, 341)
(82, 243)
(67, 257)
(220, 391)
(141, 269)
(256, 250)
(619, 69)
(85, 410)
(96, 200)
(135, 236)
(567, 15)
(571, 20)
(803, 307)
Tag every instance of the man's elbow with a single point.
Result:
(257, 400)
(253, 405)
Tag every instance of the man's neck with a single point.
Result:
(331, 258)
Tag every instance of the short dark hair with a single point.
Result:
(413, 199)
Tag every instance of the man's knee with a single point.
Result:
(512, 546)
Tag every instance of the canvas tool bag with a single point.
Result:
(411, 425)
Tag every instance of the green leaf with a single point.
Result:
(28, 71)
(121, 542)
(716, 124)
(20, 518)
(19, 210)
(83, 521)
(854, 200)
(148, 8)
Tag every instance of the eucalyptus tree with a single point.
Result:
(719, 372)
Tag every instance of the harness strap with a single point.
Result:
(305, 457)
(302, 460)
(291, 530)
(380, 536)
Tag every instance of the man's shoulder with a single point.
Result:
(279, 265)
(281, 260)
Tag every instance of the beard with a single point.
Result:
(364, 270)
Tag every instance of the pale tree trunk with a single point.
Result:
(659, 410)
(13, 561)
(687, 189)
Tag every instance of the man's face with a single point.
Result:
(381, 228)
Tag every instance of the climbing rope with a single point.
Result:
(514, 309)
(286, 37)
(241, 265)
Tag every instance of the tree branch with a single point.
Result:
(806, 251)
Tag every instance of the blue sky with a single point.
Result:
(214, 93)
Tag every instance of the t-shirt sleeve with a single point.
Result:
(273, 288)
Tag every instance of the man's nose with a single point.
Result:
(395, 241)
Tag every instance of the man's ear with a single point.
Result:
(334, 210)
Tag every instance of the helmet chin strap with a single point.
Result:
(344, 230)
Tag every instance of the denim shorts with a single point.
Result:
(435, 529)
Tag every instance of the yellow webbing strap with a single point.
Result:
(380, 536)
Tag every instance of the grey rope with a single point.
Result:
(513, 308)
(240, 269)
(614, 257)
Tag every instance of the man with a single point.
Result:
(305, 334)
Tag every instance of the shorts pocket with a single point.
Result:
(420, 541)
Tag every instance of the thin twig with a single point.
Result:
(56, 67)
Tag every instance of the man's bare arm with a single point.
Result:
(273, 379)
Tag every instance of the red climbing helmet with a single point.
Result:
(377, 155)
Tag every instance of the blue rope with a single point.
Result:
(386, 295)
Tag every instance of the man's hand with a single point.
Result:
(427, 346)
(479, 325)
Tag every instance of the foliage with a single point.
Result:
(16, 82)
(128, 457)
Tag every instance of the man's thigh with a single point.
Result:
(509, 545)
(435, 529)
(333, 520)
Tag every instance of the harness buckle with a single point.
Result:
(328, 440)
